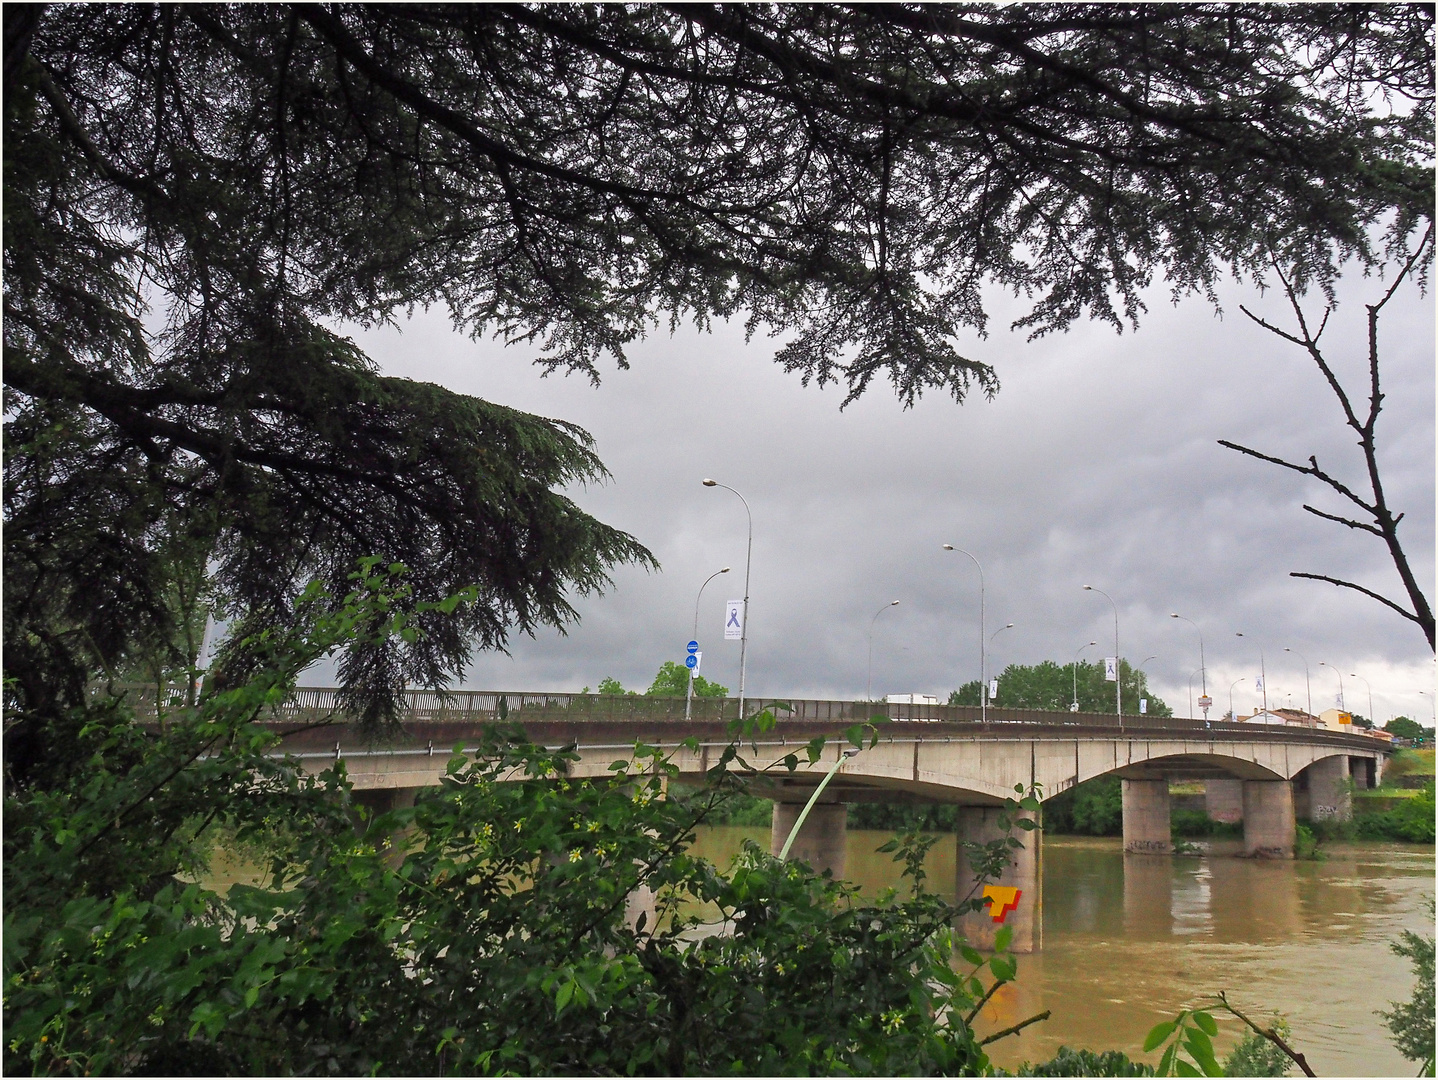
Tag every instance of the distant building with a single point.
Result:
(1337, 720)
(1287, 717)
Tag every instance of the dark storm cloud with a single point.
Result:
(1096, 464)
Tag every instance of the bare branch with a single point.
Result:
(1015, 1029)
(1366, 592)
(1269, 1034)
(1374, 529)
(1311, 469)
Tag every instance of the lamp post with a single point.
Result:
(1355, 675)
(1262, 677)
(1202, 666)
(1342, 699)
(1307, 683)
(1191, 674)
(849, 751)
(689, 690)
(983, 706)
(869, 694)
(1007, 626)
(1231, 685)
(1117, 659)
(748, 559)
(1074, 707)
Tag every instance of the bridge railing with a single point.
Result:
(312, 704)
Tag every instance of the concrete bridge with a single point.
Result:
(1265, 776)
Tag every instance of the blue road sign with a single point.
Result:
(691, 661)
(692, 647)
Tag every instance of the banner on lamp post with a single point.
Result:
(1110, 668)
(734, 620)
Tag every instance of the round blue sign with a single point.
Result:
(691, 661)
(692, 647)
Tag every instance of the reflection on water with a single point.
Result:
(1131, 939)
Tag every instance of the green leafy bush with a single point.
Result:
(1087, 1063)
(1412, 1021)
(1256, 1056)
(485, 929)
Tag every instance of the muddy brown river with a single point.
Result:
(1130, 940)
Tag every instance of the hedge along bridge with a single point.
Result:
(1265, 776)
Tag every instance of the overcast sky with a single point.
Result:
(1097, 463)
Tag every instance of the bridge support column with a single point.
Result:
(1223, 800)
(1268, 822)
(1146, 826)
(1329, 794)
(381, 801)
(820, 843)
(1024, 873)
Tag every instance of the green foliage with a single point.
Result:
(1093, 808)
(672, 680)
(1193, 823)
(904, 817)
(482, 930)
(1087, 1063)
(1306, 845)
(1257, 1056)
(1412, 1021)
(610, 687)
(1051, 687)
(1405, 763)
(1401, 727)
(1189, 1033)
(1412, 820)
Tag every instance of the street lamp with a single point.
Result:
(1081, 648)
(983, 698)
(1262, 678)
(748, 559)
(1307, 684)
(849, 751)
(689, 690)
(1117, 661)
(869, 694)
(1342, 699)
(1230, 698)
(1202, 666)
(1007, 626)
(1355, 675)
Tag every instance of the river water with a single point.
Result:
(1129, 940)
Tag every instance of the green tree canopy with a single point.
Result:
(1403, 728)
(195, 196)
(672, 680)
(1051, 687)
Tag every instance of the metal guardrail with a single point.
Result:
(312, 704)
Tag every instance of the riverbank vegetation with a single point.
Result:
(489, 928)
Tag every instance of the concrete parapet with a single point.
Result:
(821, 843)
(1146, 829)
(1330, 794)
(1223, 800)
(1020, 884)
(1268, 821)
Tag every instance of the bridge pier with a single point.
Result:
(1023, 873)
(821, 842)
(1268, 821)
(1223, 800)
(1329, 794)
(1146, 825)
